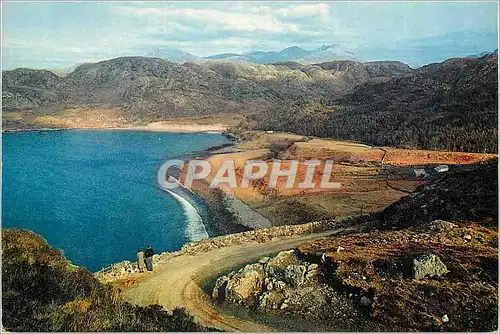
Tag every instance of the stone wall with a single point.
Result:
(124, 268)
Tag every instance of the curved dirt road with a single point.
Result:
(177, 282)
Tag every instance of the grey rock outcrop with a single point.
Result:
(437, 225)
(268, 284)
(428, 265)
(295, 275)
(287, 285)
(245, 286)
(219, 291)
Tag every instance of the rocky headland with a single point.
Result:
(407, 269)
(436, 271)
(435, 276)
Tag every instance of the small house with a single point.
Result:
(441, 168)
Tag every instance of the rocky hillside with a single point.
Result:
(427, 275)
(467, 193)
(447, 106)
(289, 285)
(152, 89)
(440, 276)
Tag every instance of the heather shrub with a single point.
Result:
(42, 291)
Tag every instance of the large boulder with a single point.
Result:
(428, 265)
(283, 259)
(269, 283)
(276, 266)
(243, 287)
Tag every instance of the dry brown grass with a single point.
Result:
(85, 118)
(378, 265)
(69, 118)
(357, 167)
(423, 157)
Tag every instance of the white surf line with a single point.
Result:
(195, 228)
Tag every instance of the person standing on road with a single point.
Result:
(140, 260)
(149, 258)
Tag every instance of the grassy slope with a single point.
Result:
(379, 263)
(358, 167)
(42, 291)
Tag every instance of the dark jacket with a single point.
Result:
(149, 252)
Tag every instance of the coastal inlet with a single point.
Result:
(92, 193)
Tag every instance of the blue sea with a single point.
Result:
(93, 194)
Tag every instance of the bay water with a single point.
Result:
(93, 193)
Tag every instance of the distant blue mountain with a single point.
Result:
(171, 54)
(482, 54)
(263, 57)
(415, 52)
(292, 53)
(223, 56)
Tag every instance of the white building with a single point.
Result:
(441, 168)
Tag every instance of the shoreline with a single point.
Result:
(192, 198)
(226, 134)
(210, 207)
(138, 129)
(217, 216)
(195, 227)
(172, 127)
(221, 213)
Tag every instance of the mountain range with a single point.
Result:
(409, 50)
(415, 52)
(450, 105)
(162, 88)
(292, 53)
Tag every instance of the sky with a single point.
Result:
(58, 35)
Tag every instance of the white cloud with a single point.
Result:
(307, 10)
(111, 29)
(273, 25)
(213, 19)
